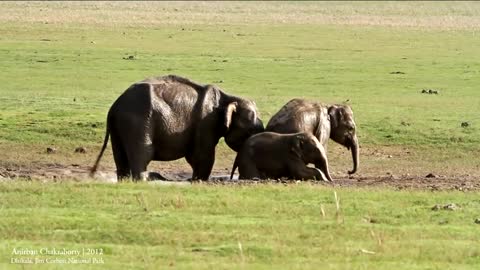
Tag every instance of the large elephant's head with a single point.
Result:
(343, 130)
(241, 121)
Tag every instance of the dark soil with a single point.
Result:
(73, 172)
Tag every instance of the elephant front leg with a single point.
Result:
(299, 170)
(311, 173)
(202, 156)
(248, 170)
(201, 163)
(322, 163)
(323, 167)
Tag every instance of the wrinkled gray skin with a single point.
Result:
(270, 155)
(170, 117)
(323, 121)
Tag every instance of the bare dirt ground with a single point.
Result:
(58, 172)
(396, 167)
(429, 15)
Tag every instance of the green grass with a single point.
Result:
(269, 64)
(145, 226)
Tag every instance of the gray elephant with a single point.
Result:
(270, 155)
(170, 117)
(323, 121)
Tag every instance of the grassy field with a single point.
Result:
(64, 63)
(141, 226)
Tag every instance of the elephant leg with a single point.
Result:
(323, 167)
(299, 170)
(248, 170)
(135, 137)
(322, 164)
(120, 158)
(139, 158)
(310, 173)
(201, 162)
(202, 156)
(189, 158)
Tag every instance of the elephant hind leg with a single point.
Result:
(139, 158)
(121, 159)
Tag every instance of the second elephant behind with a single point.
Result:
(323, 121)
(271, 155)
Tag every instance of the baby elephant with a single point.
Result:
(271, 155)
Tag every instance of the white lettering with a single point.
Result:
(98, 260)
(24, 251)
(81, 260)
(55, 260)
(62, 251)
(21, 260)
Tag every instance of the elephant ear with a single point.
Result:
(296, 146)
(335, 115)
(231, 108)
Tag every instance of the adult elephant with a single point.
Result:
(323, 121)
(170, 117)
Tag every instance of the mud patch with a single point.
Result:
(58, 172)
(55, 172)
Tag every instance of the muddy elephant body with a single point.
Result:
(270, 155)
(170, 117)
(323, 121)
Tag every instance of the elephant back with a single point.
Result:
(300, 115)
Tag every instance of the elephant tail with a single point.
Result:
(105, 142)
(235, 165)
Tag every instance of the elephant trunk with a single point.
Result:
(355, 155)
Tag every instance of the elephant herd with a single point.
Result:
(171, 117)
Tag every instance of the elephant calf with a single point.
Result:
(274, 155)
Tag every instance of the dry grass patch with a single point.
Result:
(437, 15)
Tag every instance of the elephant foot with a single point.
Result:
(197, 180)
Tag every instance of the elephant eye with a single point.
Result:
(350, 126)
